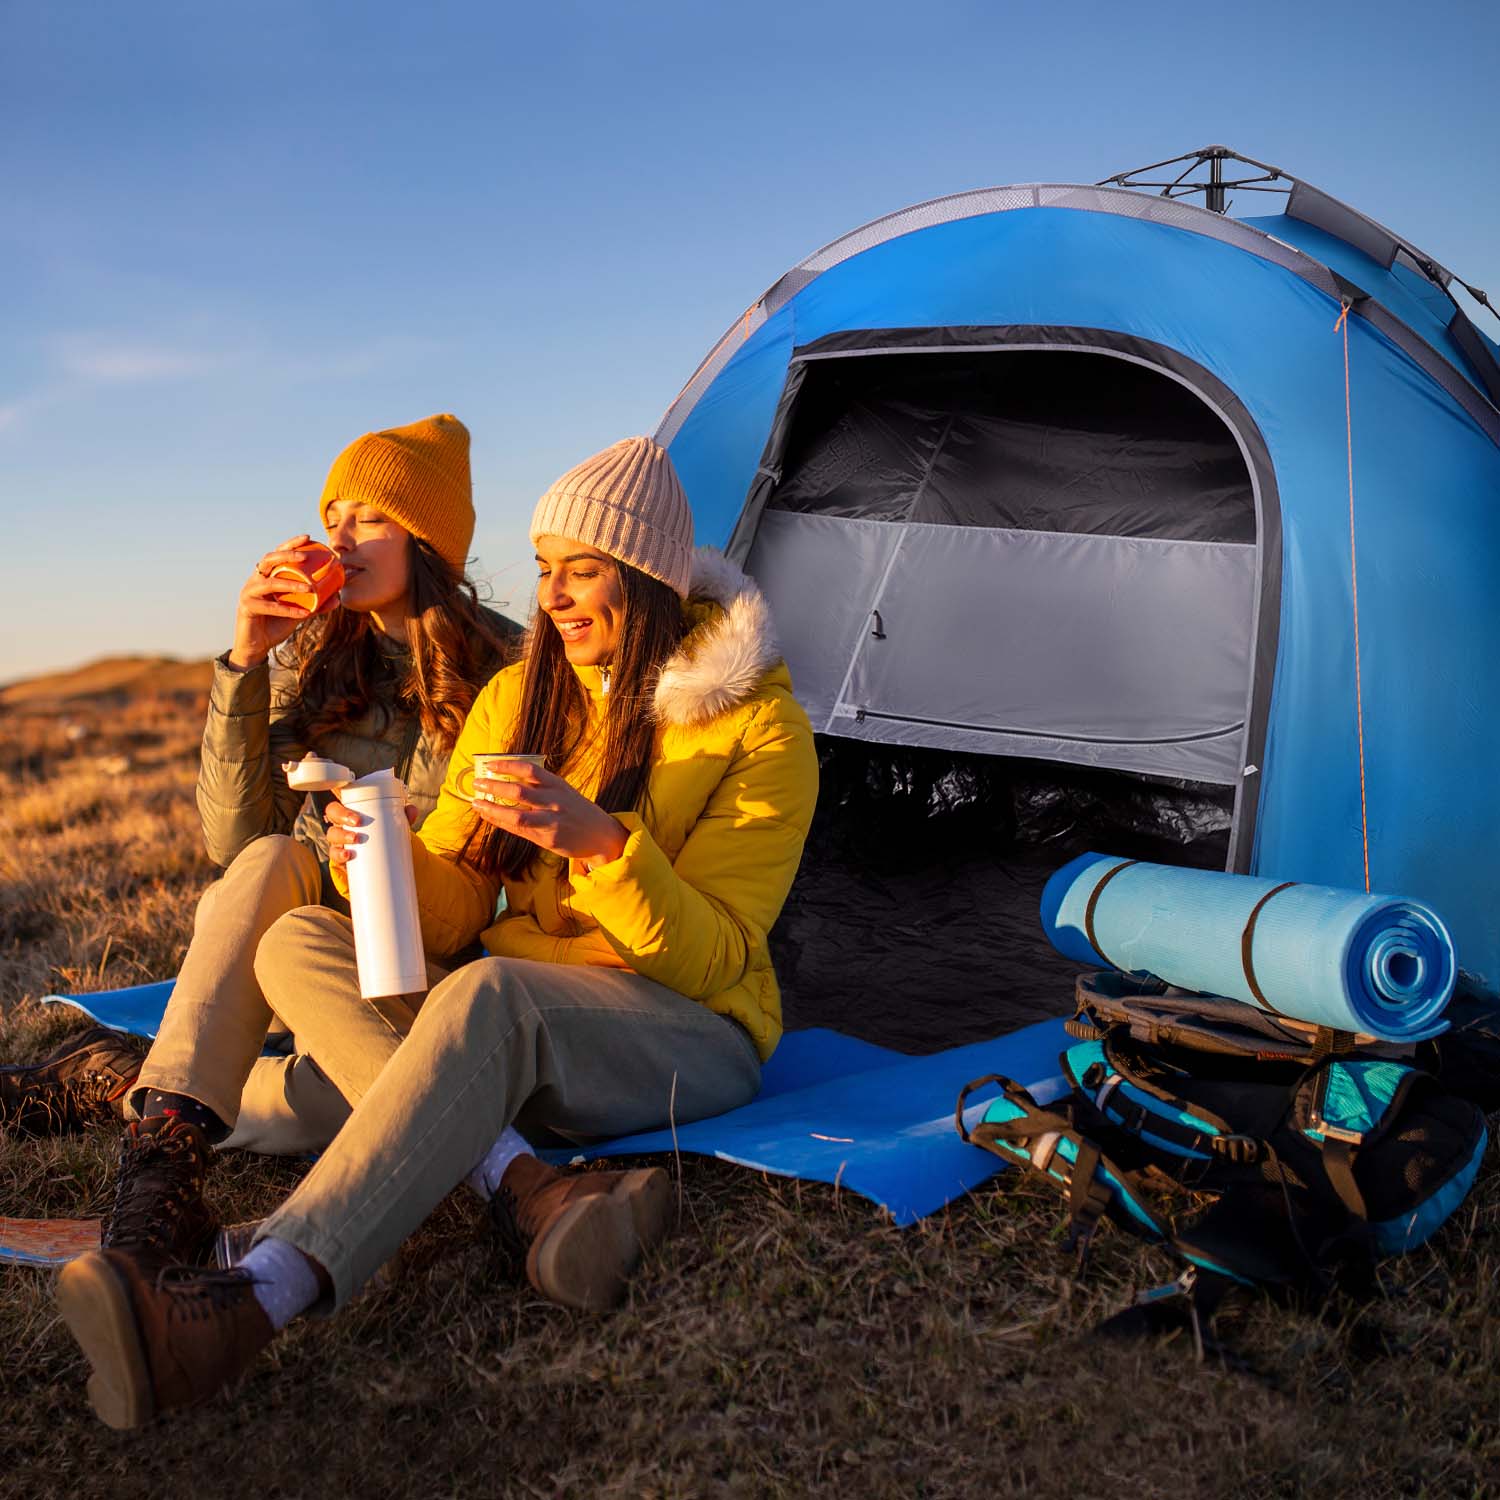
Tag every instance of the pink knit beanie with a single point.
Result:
(628, 502)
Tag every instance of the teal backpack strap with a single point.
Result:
(1006, 1084)
(1126, 1058)
(1089, 1198)
(1048, 1141)
(1108, 1077)
(1338, 1163)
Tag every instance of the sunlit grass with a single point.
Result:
(787, 1340)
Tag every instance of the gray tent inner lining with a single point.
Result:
(1130, 653)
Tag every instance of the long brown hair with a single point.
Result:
(554, 713)
(342, 674)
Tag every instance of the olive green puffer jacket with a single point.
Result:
(242, 793)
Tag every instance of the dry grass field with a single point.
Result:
(786, 1341)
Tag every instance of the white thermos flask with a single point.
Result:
(382, 890)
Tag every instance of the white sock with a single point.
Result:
(485, 1178)
(285, 1282)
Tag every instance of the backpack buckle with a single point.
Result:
(1329, 1132)
(1240, 1149)
(1182, 1287)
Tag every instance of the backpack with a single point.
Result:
(1312, 1153)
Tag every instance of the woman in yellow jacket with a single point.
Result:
(628, 981)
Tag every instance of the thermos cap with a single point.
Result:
(313, 774)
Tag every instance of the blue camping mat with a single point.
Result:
(137, 1010)
(1372, 964)
(830, 1109)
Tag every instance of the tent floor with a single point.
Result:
(914, 923)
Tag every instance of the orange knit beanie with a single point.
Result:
(626, 501)
(418, 476)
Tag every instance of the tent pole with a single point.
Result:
(1214, 195)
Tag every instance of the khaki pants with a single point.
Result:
(581, 1051)
(217, 1020)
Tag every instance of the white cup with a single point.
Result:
(484, 763)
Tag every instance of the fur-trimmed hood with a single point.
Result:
(729, 648)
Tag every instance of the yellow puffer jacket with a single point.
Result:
(707, 868)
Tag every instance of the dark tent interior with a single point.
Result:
(1032, 440)
(913, 920)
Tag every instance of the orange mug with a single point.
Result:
(316, 582)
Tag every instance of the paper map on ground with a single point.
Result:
(46, 1242)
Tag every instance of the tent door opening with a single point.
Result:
(1050, 552)
(913, 919)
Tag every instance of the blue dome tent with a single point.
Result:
(1070, 474)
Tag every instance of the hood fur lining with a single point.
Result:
(722, 662)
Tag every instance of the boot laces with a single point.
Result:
(505, 1221)
(87, 1093)
(197, 1293)
(144, 1216)
(80, 1100)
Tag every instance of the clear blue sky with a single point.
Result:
(235, 235)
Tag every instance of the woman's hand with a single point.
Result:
(344, 836)
(262, 621)
(548, 813)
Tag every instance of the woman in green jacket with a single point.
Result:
(382, 677)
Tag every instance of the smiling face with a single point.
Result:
(580, 591)
(376, 554)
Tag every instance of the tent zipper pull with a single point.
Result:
(879, 631)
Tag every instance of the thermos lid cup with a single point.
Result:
(313, 774)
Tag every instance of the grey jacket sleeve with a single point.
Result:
(241, 791)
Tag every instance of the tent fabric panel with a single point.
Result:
(821, 578)
(1029, 441)
(1072, 637)
(1210, 762)
(1444, 359)
(1143, 668)
(716, 455)
(980, 203)
(1427, 533)
(1410, 268)
(1424, 308)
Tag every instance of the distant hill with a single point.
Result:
(117, 678)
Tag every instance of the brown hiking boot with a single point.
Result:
(82, 1083)
(158, 1341)
(583, 1234)
(159, 1214)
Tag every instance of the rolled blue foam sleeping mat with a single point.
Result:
(1375, 964)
